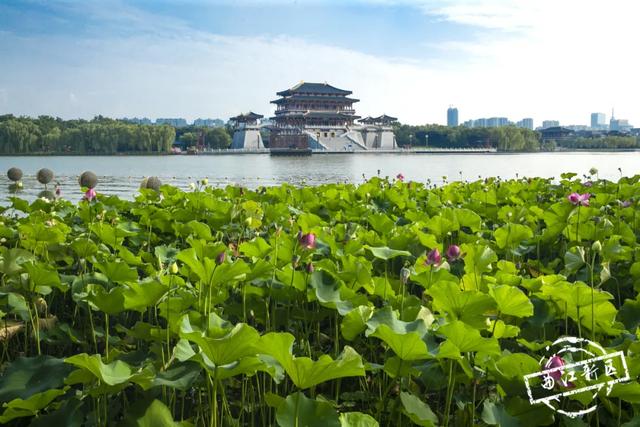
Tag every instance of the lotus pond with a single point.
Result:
(388, 303)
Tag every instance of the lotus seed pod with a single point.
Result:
(45, 176)
(88, 179)
(153, 183)
(14, 174)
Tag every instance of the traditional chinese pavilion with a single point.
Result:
(246, 133)
(321, 117)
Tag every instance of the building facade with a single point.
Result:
(321, 117)
(246, 133)
(550, 124)
(598, 121)
(452, 117)
(526, 123)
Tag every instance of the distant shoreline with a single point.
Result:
(369, 152)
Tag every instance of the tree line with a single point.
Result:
(506, 138)
(208, 137)
(45, 134)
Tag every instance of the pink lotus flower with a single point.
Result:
(453, 252)
(587, 184)
(579, 199)
(555, 362)
(307, 241)
(433, 257)
(90, 194)
(400, 177)
(625, 204)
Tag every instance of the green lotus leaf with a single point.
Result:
(180, 377)
(355, 321)
(386, 253)
(69, 414)
(511, 235)
(114, 373)
(257, 247)
(142, 295)
(584, 304)
(111, 302)
(12, 260)
(145, 413)
(298, 410)
(118, 271)
(27, 376)
(357, 419)
(497, 415)
(381, 223)
(468, 218)
(417, 410)
(238, 342)
(511, 301)
(305, 372)
(166, 254)
(468, 306)
(18, 408)
(465, 339)
(510, 370)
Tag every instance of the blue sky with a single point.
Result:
(516, 58)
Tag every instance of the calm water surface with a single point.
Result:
(121, 175)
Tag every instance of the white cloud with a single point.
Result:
(549, 60)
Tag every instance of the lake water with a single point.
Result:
(121, 175)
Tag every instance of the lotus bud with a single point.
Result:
(434, 257)
(453, 252)
(41, 305)
(295, 260)
(308, 241)
(309, 268)
(205, 181)
(192, 186)
(555, 362)
(404, 275)
(90, 194)
(596, 246)
(173, 268)
(221, 257)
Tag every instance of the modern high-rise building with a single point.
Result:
(175, 122)
(526, 123)
(598, 121)
(452, 117)
(550, 124)
(208, 122)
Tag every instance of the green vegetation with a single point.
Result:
(48, 135)
(209, 137)
(605, 142)
(507, 138)
(325, 306)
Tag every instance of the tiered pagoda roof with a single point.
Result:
(314, 88)
(246, 118)
(383, 119)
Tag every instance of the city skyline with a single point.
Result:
(218, 59)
